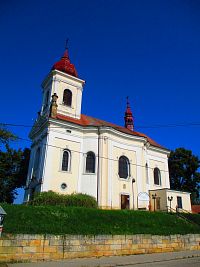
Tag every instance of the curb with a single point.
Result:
(145, 262)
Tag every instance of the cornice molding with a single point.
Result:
(64, 75)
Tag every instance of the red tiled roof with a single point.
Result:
(90, 121)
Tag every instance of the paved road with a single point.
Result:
(190, 262)
(172, 259)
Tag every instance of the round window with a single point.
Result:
(63, 186)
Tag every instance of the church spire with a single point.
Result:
(65, 65)
(128, 118)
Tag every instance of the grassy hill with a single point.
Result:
(84, 221)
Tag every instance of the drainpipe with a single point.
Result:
(98, 167)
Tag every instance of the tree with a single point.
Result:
(6, 136)
(183, 171)
(13, 167)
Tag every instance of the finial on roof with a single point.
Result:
(64, 63)
(127, 102)
(66, 43)
(128, 116)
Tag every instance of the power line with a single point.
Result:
(133, 164)
(138, 127)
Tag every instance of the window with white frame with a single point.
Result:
(157, 176)
(147, 173)
(90, 162)
(66, 158)
(67, 97)
(124, 167)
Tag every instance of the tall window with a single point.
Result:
(66, 160)
(67, 97)
(90, 162)
(147, 173)
(123, 167)
(179, 203)
(157, 176)
(36, 163)
(47, 98)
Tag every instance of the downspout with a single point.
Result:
(98, 167)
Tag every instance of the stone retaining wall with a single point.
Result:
(50, 247)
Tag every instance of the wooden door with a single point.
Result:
(125, 203)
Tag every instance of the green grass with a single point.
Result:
(83, 221)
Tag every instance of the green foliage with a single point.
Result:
(48, 198)
(183, 171)
(53, 198)
(9, 162)
(22, 170)
(13, 167)
(6, 136)
(24, 219)
(81, 200)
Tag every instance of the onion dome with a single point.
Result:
(65, 65)
(128, 118)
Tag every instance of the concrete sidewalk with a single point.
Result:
(113, 261)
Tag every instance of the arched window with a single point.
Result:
(47, 98)
(66, 160)
(147, 173)
(67, 97)
(157, 176)
(124, 167)
(90, 162)
(36, 163)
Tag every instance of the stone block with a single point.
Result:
(35, 242)
(77, 242)
(119, 237)
(50, 249)
(166, 240)
(138, 251)
(72, 255)
(109, 241)
(10, 250)
(56, 242)
(102, 247)
(115, 247)
(45, 242)
(118, 241)
(7, 243)
(39, 249)
(60, 249)
(28, 249)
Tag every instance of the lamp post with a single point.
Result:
(2, 217)
(154, 201)
(133, 181)
(170, 202)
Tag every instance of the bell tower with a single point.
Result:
(64, 85)
(128, 118)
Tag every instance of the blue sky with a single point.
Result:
(147, 50)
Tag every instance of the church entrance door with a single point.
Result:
(125, 202)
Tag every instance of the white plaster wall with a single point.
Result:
(112, 145)
(159, 160)
(54, 176)
(88, 182)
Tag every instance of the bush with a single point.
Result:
(81, 200)
(74, 200)
(48, 198)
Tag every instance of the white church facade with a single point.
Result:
(75, 153)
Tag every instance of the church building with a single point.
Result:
(75, 153)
